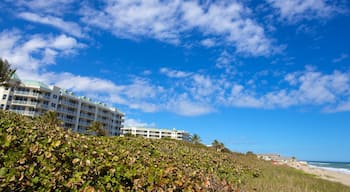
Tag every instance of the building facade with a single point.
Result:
(33, 98)
(154, 133)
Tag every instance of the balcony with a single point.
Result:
(46, 97)
(21, 102)
(43, 106)
(67, 103)
(26, 93)
(24, 112)
(89, 109)
(67, 111)
(86, 116)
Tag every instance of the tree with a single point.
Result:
(51, 118)
(195, 139)
(219, 146)
(6, 72)
(97, 128)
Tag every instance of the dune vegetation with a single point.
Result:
(38, 155)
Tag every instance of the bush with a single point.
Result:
(35, 156)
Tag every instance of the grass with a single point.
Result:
(36, 156)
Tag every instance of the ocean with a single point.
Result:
(343, 167)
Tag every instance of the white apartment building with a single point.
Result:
(33, 98)
(154, 133)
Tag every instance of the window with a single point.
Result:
(7, 107)
(6, 88)
(10, 97)
(54, 96)
(53, 104)
(4, 96)
(2, 106)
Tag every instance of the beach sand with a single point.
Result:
(322, 173)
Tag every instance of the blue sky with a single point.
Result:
(267, 76)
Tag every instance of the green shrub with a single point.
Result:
(35, 156)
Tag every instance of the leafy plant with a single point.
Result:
(195, 139)
(96, 127)
(6, 72)
(36, 156)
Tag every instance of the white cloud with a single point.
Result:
(174, 73)
(184, 106)
(66, 26)
(20, 49)
(129, 122)
(341, 107)
(295, 10)
(208, 43)
(133, 19)
(196, 94)
(173, 21)
(342, 57)
(56, 7)
(225, 61)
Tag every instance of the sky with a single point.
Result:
(268, 76)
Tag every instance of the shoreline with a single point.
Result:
(330, 175)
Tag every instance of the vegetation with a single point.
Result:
(35, 156)
(50, 118)
(6, 72)
(96, 128)
(195, 139)
(219, 146)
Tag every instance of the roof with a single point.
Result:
(153, 129)
(35, 83)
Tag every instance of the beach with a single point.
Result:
(322, 173)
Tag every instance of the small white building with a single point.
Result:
(155, 133)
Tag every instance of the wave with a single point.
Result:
(319, 163)
(340, 170)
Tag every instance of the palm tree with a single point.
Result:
(219, 146)
(97, 128)
(195, 139)
(6, 72)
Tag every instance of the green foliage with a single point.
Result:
(219, 146)
(195, 139)
(250, 153)
(50, 118)
(6, 72)
(96, 127)
(35, 156)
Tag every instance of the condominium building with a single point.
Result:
(33, 98)
(154, 133)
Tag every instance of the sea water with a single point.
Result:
(343, 167)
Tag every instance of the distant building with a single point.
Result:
(154, 133)
(276, 158)
(269, 157)
(33, 98)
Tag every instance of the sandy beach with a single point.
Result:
(322, 173)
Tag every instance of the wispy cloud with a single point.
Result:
(173, 73)
(208, 43)
(56, 7)
(20, 49)
(137, 123)
(170, 22)
(66, 26)
(342, 57)
(295, 10)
